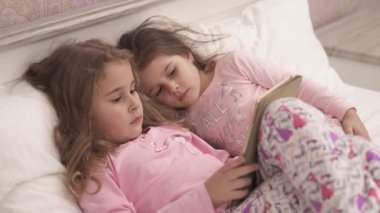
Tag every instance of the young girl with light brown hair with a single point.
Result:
(115, 159)
(217, 93)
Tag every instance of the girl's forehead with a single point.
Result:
(163, 60)
(116, 71)
(117, 64)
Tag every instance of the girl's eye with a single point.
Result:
(172, 73)
(158, 91)
(117, 99)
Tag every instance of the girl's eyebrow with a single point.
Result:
(119, 88)
(112, 91)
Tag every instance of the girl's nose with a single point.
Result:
(133, 108)
(134, 104)
(174, 89)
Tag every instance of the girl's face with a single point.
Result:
(172, 80)
(116, 107)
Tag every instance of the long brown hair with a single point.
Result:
(160, 35)
(68, 77)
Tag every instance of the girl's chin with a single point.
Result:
(188, 102)
(132, 135)
(137, 133)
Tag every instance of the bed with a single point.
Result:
(32, 177)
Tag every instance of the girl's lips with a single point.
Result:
(136, 120)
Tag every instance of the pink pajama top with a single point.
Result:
(163, 170)
(224, 111)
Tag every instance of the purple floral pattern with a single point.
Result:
(308, 166)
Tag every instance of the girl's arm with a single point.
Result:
(110, 198)
(194, 200)
(230, 182)
(321, 97)
(353, 125)
(268, 75)
(337, 106)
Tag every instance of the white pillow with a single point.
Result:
(32, 177)
(281, 33)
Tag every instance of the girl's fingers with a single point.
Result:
(241, 183)
(234, 163)
(348, 129)
(238, 194)
(362, 131)
(242, 171)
